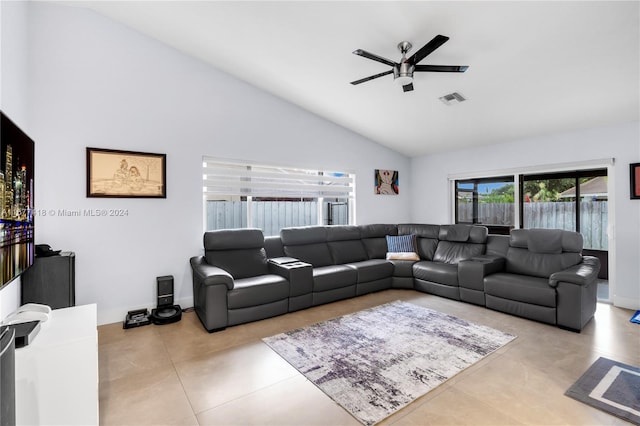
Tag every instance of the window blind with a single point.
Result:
(222, 178)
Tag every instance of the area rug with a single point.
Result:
(610, 386)
(376, 361)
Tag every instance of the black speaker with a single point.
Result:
(166, 312)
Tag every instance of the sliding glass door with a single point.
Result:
(573, 201)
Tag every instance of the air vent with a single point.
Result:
(452, 98)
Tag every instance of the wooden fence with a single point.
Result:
(271, 216)
(594, 218)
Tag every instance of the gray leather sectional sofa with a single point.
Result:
(537, 274)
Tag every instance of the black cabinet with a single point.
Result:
(51, 281)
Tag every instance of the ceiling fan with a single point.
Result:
(403, 71)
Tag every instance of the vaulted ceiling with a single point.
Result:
(535, 68)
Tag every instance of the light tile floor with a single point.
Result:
(179, 374)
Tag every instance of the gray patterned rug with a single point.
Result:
(376, 361)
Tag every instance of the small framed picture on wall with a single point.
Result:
(386, 182)
(635, 181)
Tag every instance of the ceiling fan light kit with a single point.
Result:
(403, 71)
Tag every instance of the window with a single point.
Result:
(573, 201)
(487, 201)
(243, 195)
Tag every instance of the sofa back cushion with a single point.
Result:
(460, 242)
(374, 239)
(240, 252)
(472, 234)
(542, 252)
(426, 237)
(345, 245)
(307, 243)
(497, 245)
(453, 253)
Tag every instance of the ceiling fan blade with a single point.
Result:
(407, 87)
(362, 80)
(425, 50)
(371, 56)
(441, 68)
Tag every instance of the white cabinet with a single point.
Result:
(57, 374)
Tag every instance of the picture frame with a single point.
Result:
(125, 174)
(386, 182)
(634, 171)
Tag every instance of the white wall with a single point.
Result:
(620, 142)
(96, 83)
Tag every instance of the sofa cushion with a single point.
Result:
(452, 252)
(317, 254)
(377, 230)
(347, 251)
(307, 243)
(406, 255)
(401, 243)
(427, 237)
(419, 229)
(333, 276)
(402, 268)
(376, 248)
(497, 245)
(342, 233)
(240, 263)
(520, 288)
(303, 235)
(374, 240)
(542, 252)
(548, 241)
(240, 252)
(441, 273)
(372, 270)
(345, 245)
(463, 233)
(524, 262)
(232, 239)
(257, 291)
(427, 247)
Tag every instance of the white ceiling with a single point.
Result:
(535, 68)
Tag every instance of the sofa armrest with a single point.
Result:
(471, 272)
(210, 275)
(577, 293)
(210, 288)
(580, 274)
(299, 274)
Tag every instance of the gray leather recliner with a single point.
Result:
(546, 278)
(232, 282)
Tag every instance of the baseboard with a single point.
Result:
(626, 303)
